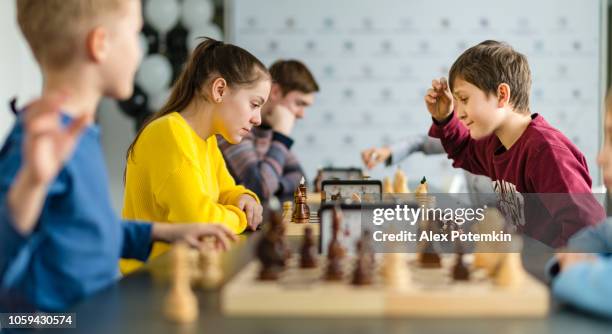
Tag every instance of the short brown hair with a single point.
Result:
(491, 63)
(293, 75)
(53, 27)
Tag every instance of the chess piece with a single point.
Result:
(364, 268)
(395, 272)
(280, 229)
(422, 187)
(301, 211)
(335, 251)
(356, 198)
(387, 186)
(270, 253)
(181, 305)
(400, 182)
(210, 264)
(287, 212)
(460, 271)
(510, 272)
(428, 258)
(308, 251)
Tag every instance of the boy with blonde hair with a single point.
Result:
(59, 237)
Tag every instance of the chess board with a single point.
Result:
(431, 293)
(293, 229)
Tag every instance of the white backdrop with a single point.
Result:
(375, 59)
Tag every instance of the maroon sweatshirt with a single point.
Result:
(542, 182)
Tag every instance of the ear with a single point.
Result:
(503, 95)
(219, 89)
(276, 93)
(96, 44)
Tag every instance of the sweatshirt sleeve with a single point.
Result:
(564, 188)
(229, 191)
(137, 240)
(263, 175)
(183, 197)
(466, 153)
(587, 286)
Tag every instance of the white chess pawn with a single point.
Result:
(211, 269)
(180, 304)
(510, 272)
(395, 271)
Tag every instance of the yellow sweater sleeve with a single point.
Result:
(182, 196)
(229, 192)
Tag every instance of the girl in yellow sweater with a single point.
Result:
(175, 171)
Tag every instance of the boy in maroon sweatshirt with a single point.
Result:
(483, 119)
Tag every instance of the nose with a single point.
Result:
(256, 119)
(299, 113)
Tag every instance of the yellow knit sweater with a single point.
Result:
(173, 175)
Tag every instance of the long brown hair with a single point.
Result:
(210, 58)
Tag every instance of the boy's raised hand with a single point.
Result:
(47, 143)
(46, 147)
(439, 99)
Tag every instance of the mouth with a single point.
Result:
(245, 130)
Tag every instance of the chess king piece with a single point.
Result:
(400, 182)
(301, 211)
(270, 252)
(335, 252)
(387, 185)
(181, 305)
(308, 251)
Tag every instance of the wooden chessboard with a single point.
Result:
(433, 293)
(293, 229)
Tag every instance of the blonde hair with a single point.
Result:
(54, 28)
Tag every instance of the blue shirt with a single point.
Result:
(588, 284)
(78, 240)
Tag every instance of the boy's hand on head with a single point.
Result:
(281, 119)
(375, 155)
(567, 260)
(252, 210)
(48, 144)
(439, 99)
(195, 235)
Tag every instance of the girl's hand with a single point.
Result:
(252, 209)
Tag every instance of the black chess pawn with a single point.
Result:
(429, 258)
(308, 252)
(271, 258)
(363, 273)
(460, 271)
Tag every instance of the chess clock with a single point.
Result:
(335, 173)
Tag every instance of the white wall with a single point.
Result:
(20, 74)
